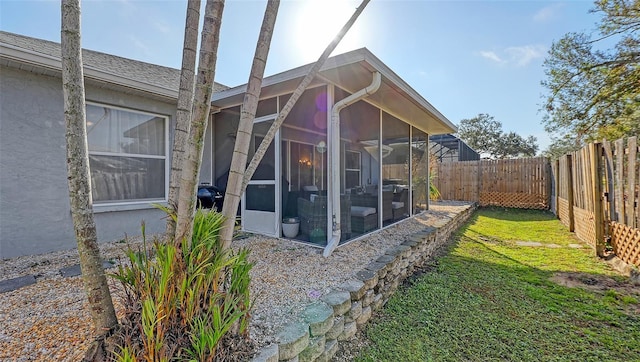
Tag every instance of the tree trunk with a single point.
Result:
(183, 113)
(93, 277)
(200, 116)
(262, 149)
(247, 115)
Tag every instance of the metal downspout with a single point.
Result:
(334, 155)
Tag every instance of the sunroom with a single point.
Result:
(350, 158)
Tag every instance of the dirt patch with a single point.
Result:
(595, 282)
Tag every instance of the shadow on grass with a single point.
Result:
(476, 303)
(477, 311)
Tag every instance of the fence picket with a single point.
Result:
(595, 151)
(631, 183)
(610, 193)
(620, 204)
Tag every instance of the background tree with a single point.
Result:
(480, 132)
(93, 277)
(593, 93)
(512, 145)
(485, 135)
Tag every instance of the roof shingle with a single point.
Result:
(152, 74)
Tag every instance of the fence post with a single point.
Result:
(546, 174)
(572, 222)
(619, 186)
(557, 186)
(479, 186)
(632, 145)
(610, 190)
(596, 176)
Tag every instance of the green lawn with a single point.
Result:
(490, 299)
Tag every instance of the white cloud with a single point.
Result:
(523, 55)
(491, 56)
(518, 56)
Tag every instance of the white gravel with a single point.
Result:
(286, 277)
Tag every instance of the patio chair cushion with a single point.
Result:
(397, 205)
(362, 211)
(368, 200)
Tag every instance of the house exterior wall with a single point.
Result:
(35, 214)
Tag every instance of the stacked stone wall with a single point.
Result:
(339, 314)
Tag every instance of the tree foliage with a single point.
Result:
(594, 93)
(485, 135)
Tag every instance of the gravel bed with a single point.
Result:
(49, 320)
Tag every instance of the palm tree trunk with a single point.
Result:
(93, 277)
(227, 235)
(200, 116)
(262, 149)
(183, 113)
(247, 115)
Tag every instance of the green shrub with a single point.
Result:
(181, 303)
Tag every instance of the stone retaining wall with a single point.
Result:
(339, 314)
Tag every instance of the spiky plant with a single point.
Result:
(181, 303)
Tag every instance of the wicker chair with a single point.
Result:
(369, 200)
(313, 218)
(363, 219)
(400, 204)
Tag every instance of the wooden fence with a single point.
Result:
(598, 195)
(519, 183)
(622, 203)
(595, 191)
(576, 196)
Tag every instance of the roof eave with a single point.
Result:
(36, 59)
(299, 72)
(355, 56)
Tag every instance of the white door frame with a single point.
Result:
(266, 222)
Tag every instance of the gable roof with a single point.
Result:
(353, 71)
(44, 55)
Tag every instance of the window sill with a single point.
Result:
(100, 208)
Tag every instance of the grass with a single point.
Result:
(490, 299)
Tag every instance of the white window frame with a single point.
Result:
(359, 169)
(106, 206)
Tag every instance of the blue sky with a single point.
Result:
(464, 57)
